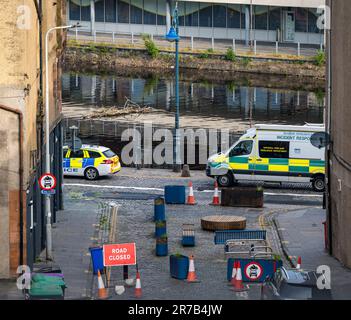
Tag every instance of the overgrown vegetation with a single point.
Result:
(206, 54)
(246, 61)
(150, 46)
(230, 55)
(320, 58)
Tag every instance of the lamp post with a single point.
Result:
(173, 36)
(47, 139)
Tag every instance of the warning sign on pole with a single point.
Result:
(47, 182)
(119, 254)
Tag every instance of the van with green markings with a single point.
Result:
(272, 153)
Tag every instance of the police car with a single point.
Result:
(90, 161)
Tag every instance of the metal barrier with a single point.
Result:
(222, 236)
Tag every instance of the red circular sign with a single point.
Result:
(47, 181)
(253, 271)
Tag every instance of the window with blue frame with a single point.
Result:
(274, 18)
(161, 12)
(261, 17)
(123, 11)
(85, 10)
(233, 16)
(219, 16)
(136, 11)
(192, 14)
(205, 15)
(301, 18)
(312, 21)
(110, 11)
(150, 12)
(99, 10)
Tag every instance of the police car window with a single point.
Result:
(77, 154)
(109, 153)
(242, 149)
(274, 149)
(94, 154)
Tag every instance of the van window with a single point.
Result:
(274, 149)
(243, 148)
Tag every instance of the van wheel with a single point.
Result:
(225, 181)
(318, 183)
(91, 174)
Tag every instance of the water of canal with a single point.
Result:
(216, 99)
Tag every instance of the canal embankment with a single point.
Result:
(292, 73)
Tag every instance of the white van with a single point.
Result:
(272, 153)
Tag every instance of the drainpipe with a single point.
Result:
(20, 180)
(329, 148)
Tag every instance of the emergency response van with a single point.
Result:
(272, 153)
(90, 161)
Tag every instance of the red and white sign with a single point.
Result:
(119, 254)
(253, 271)
(47, 181)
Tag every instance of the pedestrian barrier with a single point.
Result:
(254, 270)
(97, 260)
(222, 236)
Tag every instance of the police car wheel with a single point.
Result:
(318, 184)
(91, 174)
(226, 180)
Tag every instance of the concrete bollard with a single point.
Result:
(95, 36)
(276, 47)
(255, 47)
(298, 49)
(186, 171)
(192, 43)
(212, 43)
(76, 33)
(113, 37)
(234, 45)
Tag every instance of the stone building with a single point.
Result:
(337, 120)
(23, 24)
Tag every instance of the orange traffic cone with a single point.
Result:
(298, 265)
(238, 282)
(215, 201)
(102, 292)
(233, 274)
(191, 198)
(138, 286)
(191, 273)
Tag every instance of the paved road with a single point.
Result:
(134, 191)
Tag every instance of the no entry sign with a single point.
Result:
(47, 182)
(119, 254)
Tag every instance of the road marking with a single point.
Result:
(203, 191)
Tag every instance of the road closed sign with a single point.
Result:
(119, 254)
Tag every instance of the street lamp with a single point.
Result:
(173, 36)
(47, 139)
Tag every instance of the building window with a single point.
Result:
(312, 21)
(205, 15)
(85, 10)
(274, 18)
(161, 12)
(110, 11)
(136, 11)
(150, 10)
(301, 20)
(123, 11)
(192, 14)
(219, 16)
(100, 11)
(181, 13)
(79, 10)
(234, 16)
(261, 17)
